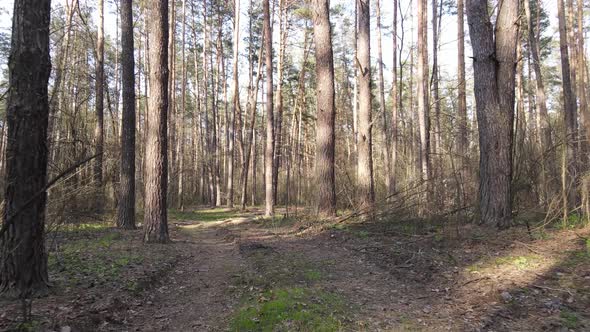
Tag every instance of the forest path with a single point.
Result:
(244, 273)
(194, 296)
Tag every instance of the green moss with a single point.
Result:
(363, 234)
(313, 275)
(291, 309)
(569, 319)
(27, 326)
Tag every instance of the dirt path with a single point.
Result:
(228, 271)
(247, 275)
(195, 295)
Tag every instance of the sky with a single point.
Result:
(448, 36)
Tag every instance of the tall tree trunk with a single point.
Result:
(171, 113)
(422, 91)
(236, 105)
(494, 64)
(269, 151)
(326, 111)
(99, 105)
(180, 120)
(385, 149)
(544, 131)
(581, 68)
(394, 105)
(283, 29)
(126, 209)
(156, 182)
(462, 139)
(569, 112)
(23, 259)
(436, 18)
(365, 190)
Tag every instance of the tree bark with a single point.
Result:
(236, 106)
(126, 209)
(365, 190)
(23, 258)
(494, 66)
(462, 139)
(180, 118)
(569, 110)
(270, 135)
(99, 105)
(395, 104)
(385, 149)
(156, 182)
(422, 91)
(544, 131)
(326, 111)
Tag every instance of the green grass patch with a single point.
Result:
(207, 215)
(84, 227)
(569, 319)
(313, 275)
(525, 262)
(91, 261)
(291, 309)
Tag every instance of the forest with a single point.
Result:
(294, 165)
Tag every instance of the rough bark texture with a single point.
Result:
(423, 98)
(270, 136)
(462, 138)
(236, 106)
(544, 131)
(385, 148)
(99, 104)
(395, 103)
(126, 209)
(23, 259)
(156, 180)
(365, 185)
(569, 108)
(326, 111)
(494, 66)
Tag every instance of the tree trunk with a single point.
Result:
(365, 190)
(569, 112)
(544, 131)
(171, 112)
(269, 151)
(422, 91)
(385, 148)
(180, 118)
(99, 106)
(156, 182)
(126, 209)
(394, 105)
(283, 29)
(494, 64)
(236, 106)
(581, 66)
(462, 139)
(23, 259)
(326, 111)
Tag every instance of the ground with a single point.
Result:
(236, 271)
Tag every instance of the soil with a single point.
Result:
(389, 275)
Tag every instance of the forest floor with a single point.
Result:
(228, 270)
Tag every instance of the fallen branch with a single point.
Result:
(554, 289)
